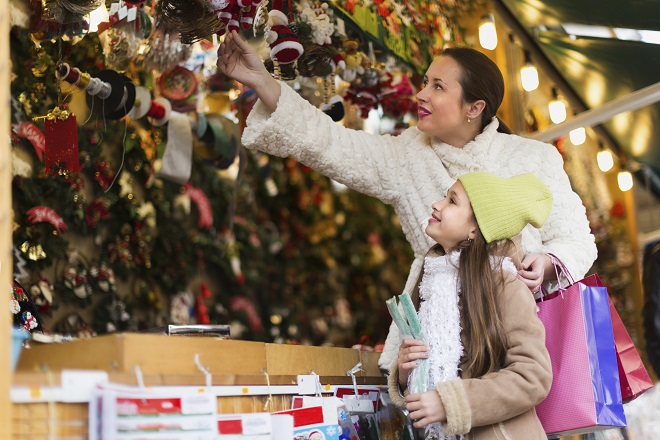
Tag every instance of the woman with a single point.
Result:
(457, 133)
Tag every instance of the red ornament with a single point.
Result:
(61, 135)
(36, 137)
(242, 304)
(203, 205)
(48, 215)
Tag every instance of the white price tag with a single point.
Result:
(123, 12)
(132, 14)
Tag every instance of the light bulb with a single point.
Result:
(487, 32)
(605, 160)
(578, 136)
(529, 77)
(625, 180)
(557, 109)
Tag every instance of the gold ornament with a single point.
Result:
(33, 251)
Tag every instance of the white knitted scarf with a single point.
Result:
(439, 316)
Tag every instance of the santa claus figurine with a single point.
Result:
(284, 45)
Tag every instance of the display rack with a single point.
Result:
(53, 383)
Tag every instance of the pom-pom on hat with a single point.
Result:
(504, 206)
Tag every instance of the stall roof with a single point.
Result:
(599, 70)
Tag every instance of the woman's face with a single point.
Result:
(452, 220)
(441, 110)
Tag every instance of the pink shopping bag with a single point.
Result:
(585, 395)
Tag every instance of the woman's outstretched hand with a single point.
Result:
(239, 61)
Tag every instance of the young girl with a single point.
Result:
(488, 365)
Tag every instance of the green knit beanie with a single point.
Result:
(504, 206)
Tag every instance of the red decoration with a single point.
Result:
(33, 134)
(242, 304)
(203, 205)
(177, 84)
(61, 135)
(618, 210)
(97, 211)
(103, 174)
(202, 310)
(48, 215)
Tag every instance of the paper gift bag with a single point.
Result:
(633, 377)
(585, 395)
(632, 374)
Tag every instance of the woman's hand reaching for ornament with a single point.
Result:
(238, 60)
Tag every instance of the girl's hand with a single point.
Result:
(425, 408)
(239, 61)
(410, 352)
(534, 268)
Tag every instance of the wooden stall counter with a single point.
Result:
(246, 376)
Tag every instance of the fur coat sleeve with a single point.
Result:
(364, 162)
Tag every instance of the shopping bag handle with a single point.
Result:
(556, 262)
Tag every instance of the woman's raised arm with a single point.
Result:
(238, 60)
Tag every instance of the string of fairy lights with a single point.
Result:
(557, 109)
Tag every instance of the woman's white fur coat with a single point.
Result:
(413, 170)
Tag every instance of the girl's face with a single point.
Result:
(452, 220)
(440, 108)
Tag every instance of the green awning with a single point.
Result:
(600, 70)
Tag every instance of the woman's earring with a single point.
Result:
(469, 120)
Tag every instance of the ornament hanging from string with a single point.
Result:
(69, 11)
(61, 134)
(192, 19)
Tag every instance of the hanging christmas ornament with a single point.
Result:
(23, 309)
(202, 309)
(52, 19)
(39, 214)
(32, 133)
(61, 135)
(111, 315)
(284, 45)
(42, 295)
(164, 51)
(179, 85)
(333, 105)
(182, 308)
(205, 212)
(68, 11)
(192, 19)
(245, 305)
(355, 60)
(74, 281)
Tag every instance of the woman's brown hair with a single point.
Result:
(480, 79)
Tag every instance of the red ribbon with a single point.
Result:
(45, 214)
(203, 205)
